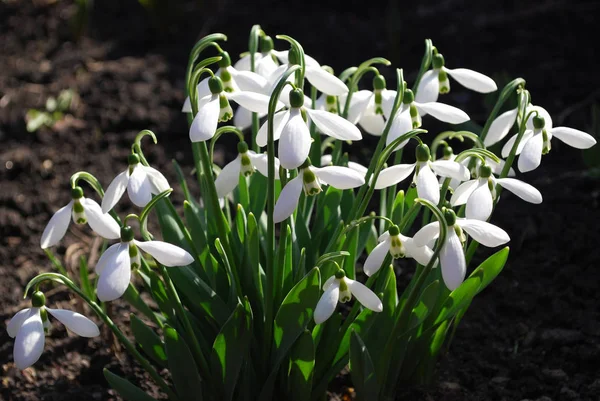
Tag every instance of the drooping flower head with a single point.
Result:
(367, 108)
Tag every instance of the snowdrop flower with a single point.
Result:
(398, 246)
(116, 263)
(29, 328)
(265, 62)
(425, 174)
(328, 103)
(367, 108)
(436, 81)
(327, 160)
(452, 257)
(245, 164)
(81, 210)
(339, 288)
(501, 126)
(141, 182)
(479, 194)
(215, 108)
(409, 115)
(310, 178)
(291, 129)
(536, 139)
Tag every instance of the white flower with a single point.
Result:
(411, 111)
(326, 160)
(310, 178)
(116, 263)
(245, 164)
(479, 194)
(436, 81)
(141, 182)
(265, 62)
(29, 326)
(81, 210)
(536, 138)
(398, 246)
(368, 108)
(452, 257)
(214, 108)
(339, 288)
(291, 129)
(425, 175)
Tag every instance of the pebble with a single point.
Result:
(449, 386)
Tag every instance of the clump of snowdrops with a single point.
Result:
(249, 276)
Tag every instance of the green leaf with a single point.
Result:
(132, 296)
(182, 366)
(302, 368)
(398, 208)
(362, 370)
(424, 305)
(489, 269)
(458, 298)
(231, 348)
(149, 342)
(125, 389)
(84, 278)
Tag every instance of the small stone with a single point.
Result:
(450, 386)
(557, 374)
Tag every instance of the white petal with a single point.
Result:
(334, 126)
(326, 160)
(17, 321)
(427, 233)
(358, 104)
(452, 261)
(167, 254)
(364, 295)
(523, 190)
(114, 191)
(401, 124)
(427, 185)
(115, 277)
(498, 167)
(204, 92)
(542, 112)
(359, 168)
(29, 343)
(574, 137)
(328, 283)
(500, 127)
(374, 124)
(205, 122)
(102, 223)
(325, 82)
(472, 80)
(288, 199)
(187, 106)
(326, 305)
(76, 322)
(255, 102)
(294, 143)
(339, 177)
(444, 112)
(242, 118)
(376, 257)
(422, 254)
(429, 87)
(452, 169)
(139, 188)
(280, 119)
(483, 232)
(261, 163)
(509, 144)
(266, 66)
(393, 175)
(531, 156)
(57, 226)
(462, 193)
(387, 101)
(157, 180)
(244, 63)
(249, 81)
(480, 203)
(228, 178)
(109, 257)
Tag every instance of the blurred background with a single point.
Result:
(78, 80)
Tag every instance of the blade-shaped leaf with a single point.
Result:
(362, 370)
(149, 342)
(182, 366)
(128, 391)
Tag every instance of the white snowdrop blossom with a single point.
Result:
(29, 327)
(291, 130)
(367, 108)
(496, 167)
(246, 163)
(411, 111)
(214, 108)
(116, 263)
(452, 257)
(339, 288)
(436, 81)
(425, 174)
(265, 61)
(327, 160)
(479, 194)
(310, 179)
(141, 182)
(397, 245)
(81, 210)
(536, 138)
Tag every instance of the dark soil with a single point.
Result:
(534, 334)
